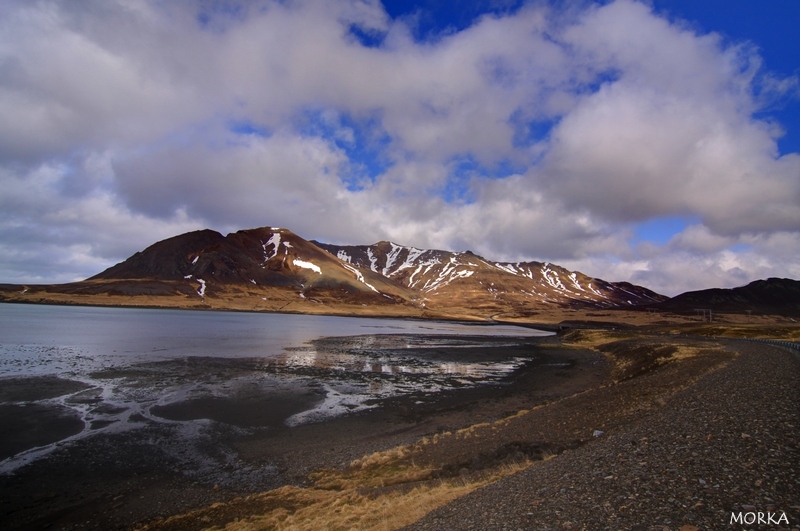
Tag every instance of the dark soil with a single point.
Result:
(29, 425)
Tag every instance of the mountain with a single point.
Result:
(773, 296)
(264, 257)
(444, 278)
(274, 269)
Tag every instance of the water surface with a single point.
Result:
(67, 373)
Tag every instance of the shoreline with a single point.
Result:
(552, 319)
(444, 319)
(117, 480)
(575, 385)
(657, 448)
(714, 454)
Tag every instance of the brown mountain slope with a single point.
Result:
(263, 257)
(466, 279)
(264, 269)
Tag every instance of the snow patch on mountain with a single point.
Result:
(373, 261)
(508, 268)
(202, 290)
(360, 277)
(390, 258)
(574, 278)
(411, 278)
(552, 278)
(447, 275)
(275, 241)
(307, 265)
(411, 258)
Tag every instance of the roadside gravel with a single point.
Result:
(725, 446)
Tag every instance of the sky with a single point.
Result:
(655, 142)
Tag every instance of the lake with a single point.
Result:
(67, 373)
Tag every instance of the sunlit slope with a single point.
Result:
(256, 258)
(466, 279)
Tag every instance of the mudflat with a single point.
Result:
(598, 429)
(685, 433)
(218, 448)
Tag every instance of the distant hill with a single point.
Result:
(773, 296)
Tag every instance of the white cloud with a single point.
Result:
(120, 130)
(699, 239)
(674, 134)
(49, 236)
(697, 259)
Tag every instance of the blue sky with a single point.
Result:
(654, 142)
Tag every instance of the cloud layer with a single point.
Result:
(542, 134)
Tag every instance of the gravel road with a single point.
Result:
(725, 448)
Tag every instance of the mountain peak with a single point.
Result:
(257, 262)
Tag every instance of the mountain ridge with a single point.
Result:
(437, 273)
(272, 257)
(279, 258)
(274, 269)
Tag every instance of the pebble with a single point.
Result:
(732, 428)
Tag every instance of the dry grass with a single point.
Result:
(593, 338)
(381, 491)
(397, 465)
(685, 352)
(358, 508)
(353, 505)
(634, 352)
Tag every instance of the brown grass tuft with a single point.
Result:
(358, 508)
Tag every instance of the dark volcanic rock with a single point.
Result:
(166, 260)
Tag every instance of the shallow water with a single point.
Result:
(101, 370)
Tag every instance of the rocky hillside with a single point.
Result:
(264, 257)
(440, 276)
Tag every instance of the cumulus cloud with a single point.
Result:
(673, 133)
(541, 134)
(48, 234)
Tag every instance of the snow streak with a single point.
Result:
(360, 277)
(307, 265)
